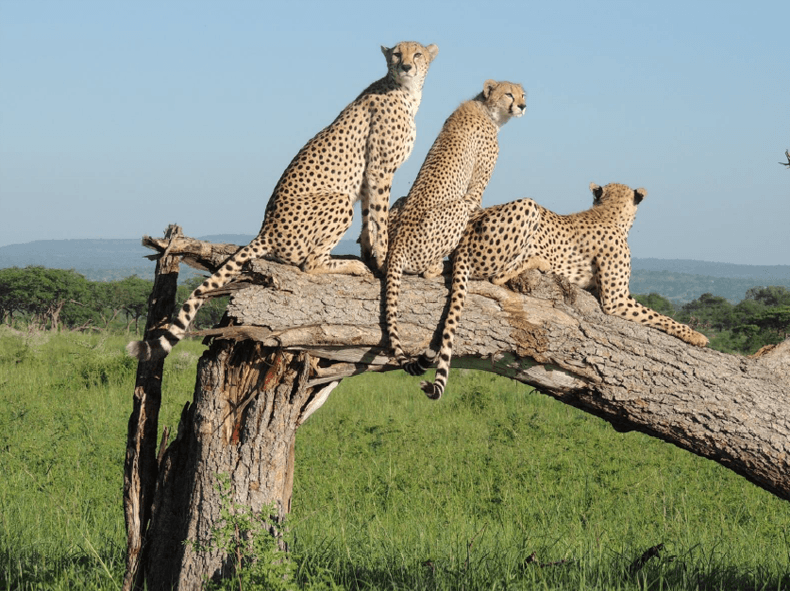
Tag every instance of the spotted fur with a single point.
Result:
(448, 189)
(589, 248)
(312, 204)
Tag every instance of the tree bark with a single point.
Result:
(541, 331)
(249, 401)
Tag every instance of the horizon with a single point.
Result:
(348, 241)
(120, 118)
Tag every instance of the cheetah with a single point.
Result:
(354, 158)
(448, 189)
(588, 248)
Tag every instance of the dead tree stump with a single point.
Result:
(249, 402)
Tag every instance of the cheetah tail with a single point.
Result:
(159, 347)
(419, 366)
(458, 290)
(395, 264)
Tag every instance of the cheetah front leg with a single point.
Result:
(616, 300)
(481, 175)
(375, 212)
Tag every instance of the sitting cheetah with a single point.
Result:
(448, 189)
(312, 205)
(589, 248)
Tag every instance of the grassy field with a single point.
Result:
(493, 487)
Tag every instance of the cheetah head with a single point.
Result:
(618, 201)
(408, 62)
(503, 100)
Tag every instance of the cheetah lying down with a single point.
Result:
(352, 159)
(589, 248)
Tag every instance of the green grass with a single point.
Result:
(65, 402)
(387, 481)
(392, 490)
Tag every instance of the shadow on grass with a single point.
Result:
(485, 574)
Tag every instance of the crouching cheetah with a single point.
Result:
(448, 189)
(589, 248)
(311, 207)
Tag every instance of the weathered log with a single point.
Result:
(542, 331)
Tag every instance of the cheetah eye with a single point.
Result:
(509, 95)
(397, 55)
(416, 55)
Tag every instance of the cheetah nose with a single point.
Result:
(405, 67)
(522, 106)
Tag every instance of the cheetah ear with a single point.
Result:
(639, 194)
(488, 86)
(386, 51)
(433, 50)
(597, 192)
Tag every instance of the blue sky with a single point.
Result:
(118, 118)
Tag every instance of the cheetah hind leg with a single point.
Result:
(520, 267)
(426, 360)
(323, 264)
(436, 269)
(329, 220)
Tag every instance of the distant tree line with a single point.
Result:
(761, 318)
(56, 299)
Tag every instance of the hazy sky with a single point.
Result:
(118, 118)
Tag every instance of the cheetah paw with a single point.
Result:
(697, 339)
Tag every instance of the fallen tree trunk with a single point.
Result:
(543, 332)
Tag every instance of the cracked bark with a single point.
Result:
(543, 332)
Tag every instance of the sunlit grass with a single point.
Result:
(392, 490)
(64, 405)
(396, 491)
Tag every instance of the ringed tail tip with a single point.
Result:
(138, 349)
(432, 390)
(413, 368)
(148, 350)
